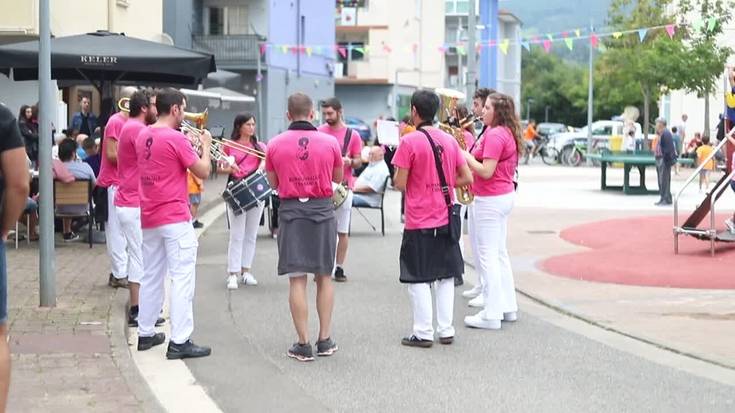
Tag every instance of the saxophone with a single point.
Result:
(449, 123)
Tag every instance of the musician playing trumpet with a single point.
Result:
(243, 227)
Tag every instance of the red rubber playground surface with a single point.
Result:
(640, 251)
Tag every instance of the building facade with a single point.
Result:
(386, 51)
(246, 36)
(507, 65)
(19, 22)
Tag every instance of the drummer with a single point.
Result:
(243, 227)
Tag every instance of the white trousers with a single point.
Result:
(243, 236)
(343, 214)
(171, 249)
(420, 294)
(129, 219)
(489, 233)
(115, 240)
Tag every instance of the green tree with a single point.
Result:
(653, 64)
(707, 58)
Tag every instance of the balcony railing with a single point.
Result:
(235, 49)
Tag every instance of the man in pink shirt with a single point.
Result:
(108, 179)
(302, 163)
(351, 146)
(428, 253)
(127, 201)
(169, 241)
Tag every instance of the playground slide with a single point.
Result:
(703, 209)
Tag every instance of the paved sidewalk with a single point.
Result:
(75, 357)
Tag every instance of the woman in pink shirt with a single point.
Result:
(493, 161)
(243, 227)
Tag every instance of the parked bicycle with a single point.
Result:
(549, 154)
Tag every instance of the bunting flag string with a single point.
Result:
(546, 41)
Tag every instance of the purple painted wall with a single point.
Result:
(309, 22)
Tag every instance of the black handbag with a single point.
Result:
(455, 219)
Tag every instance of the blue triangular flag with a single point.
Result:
(642, 34)
(526, 45)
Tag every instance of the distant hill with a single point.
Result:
(547, 16)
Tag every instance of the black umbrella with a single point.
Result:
(104, 56)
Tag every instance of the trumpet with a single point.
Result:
(123, 104)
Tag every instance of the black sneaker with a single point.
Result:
(301, 352)
(133, 320)
(186, 350)
(446, 340)
(145, 343)
(414, 341)
(339, 275)
(117, 282)
(197, 224)
(326, 347)
(70, 237)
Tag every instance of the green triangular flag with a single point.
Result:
(711, 23)
(570, 43)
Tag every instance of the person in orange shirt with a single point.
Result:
(533, 139)
(196, 187)
(703, 152)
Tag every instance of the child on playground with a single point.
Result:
(703, 152)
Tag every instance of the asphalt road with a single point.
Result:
(530, 365)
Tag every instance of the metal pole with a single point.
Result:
(47, 107)
(546, 114)
(471, 55)
(259, 88)
(590, 96)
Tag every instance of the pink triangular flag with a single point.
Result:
(594, 40)
(547, 45)
(343, 52)
(262, 49)
(670, 29)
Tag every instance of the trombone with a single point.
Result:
(216, 149)
(123, 104)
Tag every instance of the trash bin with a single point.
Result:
(616, 145)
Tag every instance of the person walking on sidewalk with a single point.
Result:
(14, 194)
(302, 163)
(243, 227)
(351, 146)
(493, 162)
(169, 241)
(665, 159)
(429, 164)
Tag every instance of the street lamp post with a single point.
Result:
(546, 114)
(528, 109)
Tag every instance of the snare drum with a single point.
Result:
(246, 193)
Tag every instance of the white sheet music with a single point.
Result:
(388, 132)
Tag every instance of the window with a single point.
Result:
(237, 20)
(457, 6)
(354, 54)
(215, 20)
(225, 20)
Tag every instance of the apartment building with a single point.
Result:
(234, 32)
(508, 65)
(388, 49)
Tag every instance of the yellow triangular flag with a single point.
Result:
(308, 51)
(617, 35)
(504, 46)
(577, 32)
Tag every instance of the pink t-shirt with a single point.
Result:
(425, 203)
(247, 163)
(304, 161)
(108, 170)
(354, 147)
(127, 194)
(496, 143)
(164, 155)
(469, 139)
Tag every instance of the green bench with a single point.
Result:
(639, 160)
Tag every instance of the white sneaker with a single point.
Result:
(477, 302)
(510, 317)
(474, 292)
(232, 282)
(476, 321)
(730, 225)
(248, 279)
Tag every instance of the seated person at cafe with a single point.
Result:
(80, 170)
(92, 149)
(370, 184)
